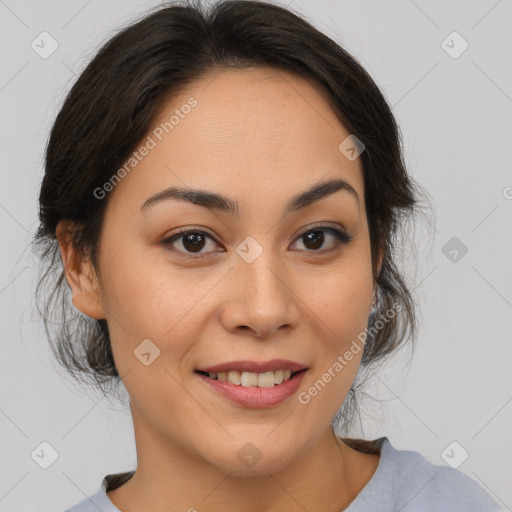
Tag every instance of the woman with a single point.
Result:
(224, 186)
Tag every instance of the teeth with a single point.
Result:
(234, 378)
(278, 376)
(266, 380)
(249, 379)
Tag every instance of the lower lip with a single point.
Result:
(254, 396)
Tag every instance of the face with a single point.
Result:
(267, 289)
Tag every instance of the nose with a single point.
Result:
(261, 299)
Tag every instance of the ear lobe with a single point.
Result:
(377, 264)
(380, 260)
(80, 273)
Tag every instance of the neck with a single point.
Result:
(328, 477)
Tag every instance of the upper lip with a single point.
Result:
(254, 366)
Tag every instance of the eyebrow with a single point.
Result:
(213, 201)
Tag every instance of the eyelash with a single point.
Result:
(342, 238)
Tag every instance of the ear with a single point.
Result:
(80, 273)
(377, 266)
(380, 259)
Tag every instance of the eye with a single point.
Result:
(191, 242)
(314, 238)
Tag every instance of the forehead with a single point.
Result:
(261, 112)
(244, 132)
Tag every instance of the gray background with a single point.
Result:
(455, 115)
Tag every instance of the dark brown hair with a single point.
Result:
(110, 108)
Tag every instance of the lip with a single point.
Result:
(255, 397)
(255, 366)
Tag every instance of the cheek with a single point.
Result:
(153, 324)
(150, 309)
(144, 300)
(341, 300)
(341, 305)
(338, 352)
(141, 290)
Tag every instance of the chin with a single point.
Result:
(255, 458)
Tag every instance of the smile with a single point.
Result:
(254, 384)
(250, 379)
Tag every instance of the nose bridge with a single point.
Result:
(258, 267)
(264, 301)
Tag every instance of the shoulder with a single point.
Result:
(100, 500)
(92, 503)
(419, 485)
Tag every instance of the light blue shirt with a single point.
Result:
(404, 481)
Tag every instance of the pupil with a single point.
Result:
(319, 236)
(194, 245)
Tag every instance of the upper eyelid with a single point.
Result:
(320, 226)
(198, 229)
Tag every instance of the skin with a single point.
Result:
(258, 136)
